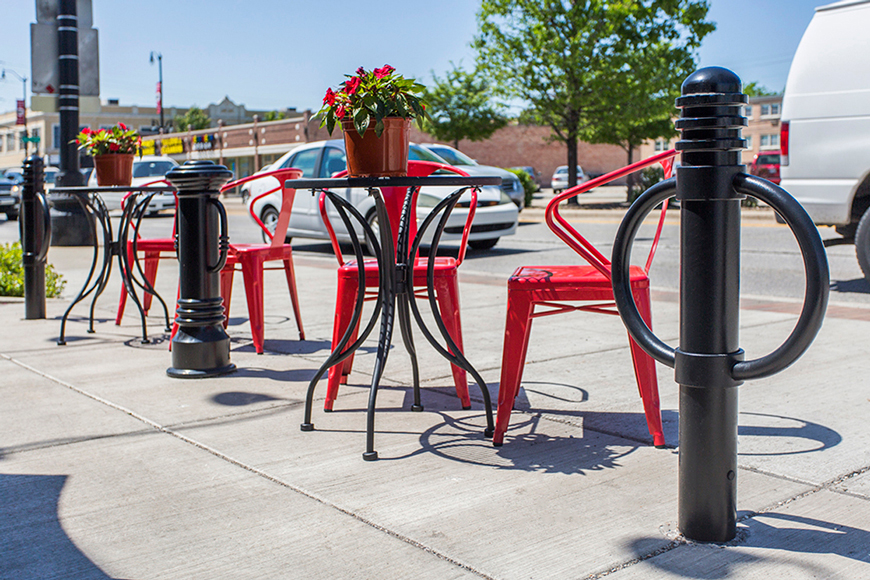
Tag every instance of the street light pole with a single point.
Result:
(23, 98)
(159, 85)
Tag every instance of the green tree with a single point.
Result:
(273, 116)
(459, 107)
(754, 89)
(586, 65)
(195, 118)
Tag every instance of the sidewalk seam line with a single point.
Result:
(310, 495)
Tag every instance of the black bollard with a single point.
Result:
(711, 145)
(201, 346)
(709, 364)
(35, 231)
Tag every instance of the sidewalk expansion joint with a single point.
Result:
(254, 470)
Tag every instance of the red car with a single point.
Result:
(766, 165)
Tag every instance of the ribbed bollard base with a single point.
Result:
(200, 352)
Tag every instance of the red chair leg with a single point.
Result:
(294, 299)
(447, 294)
(645, 372)
(152, 259)
(518, 325)
(122, 300)
(252, 271)
(344, 303)
(227, 290)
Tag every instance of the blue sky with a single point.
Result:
(270, 54)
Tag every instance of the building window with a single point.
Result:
(770, 110)
(749, 141)
(1, 143)
(10, 142)
(747, 110)
(661, 145)
(770, 141)
(55, 136)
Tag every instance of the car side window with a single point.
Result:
(305, 161)
(334, 160)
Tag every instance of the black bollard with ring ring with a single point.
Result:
(35, 232)
(200, 346)
(709, 365)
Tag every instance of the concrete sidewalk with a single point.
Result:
(110, 469)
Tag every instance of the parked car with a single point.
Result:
(510, 184)
(50, 176)
(534, 174)
(146, 169)
(559, 180)
(766, 165)
(825, 127)
(496, 213)
(10, 198)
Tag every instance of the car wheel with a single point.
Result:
(12, 216)
(483, 244)
(862, 243)
(372, 219)
(269, 217)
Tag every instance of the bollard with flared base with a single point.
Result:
(201, 346)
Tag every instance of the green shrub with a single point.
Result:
(12, 273)
(529, 185)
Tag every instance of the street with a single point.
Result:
(771, 266)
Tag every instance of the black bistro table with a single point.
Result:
(135, 206)
(396, 274)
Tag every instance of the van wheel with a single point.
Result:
(862, 244)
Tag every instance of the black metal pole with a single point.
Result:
(201, 346)
(711, 143)
(70, 225)
(709, 364)
(34, 238)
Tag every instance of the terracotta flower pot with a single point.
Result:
(372, 156)
(114, 168)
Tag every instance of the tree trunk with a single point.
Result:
(632, 177)
(571, 142)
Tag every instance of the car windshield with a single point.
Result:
(768, 159)
(49, 176)
(417, 153)
(453, 157)
(152, 168)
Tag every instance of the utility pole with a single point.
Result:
(22, 115)
(159, 85)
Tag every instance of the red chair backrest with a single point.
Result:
(394, 198)
(566, 232)
(287, 197)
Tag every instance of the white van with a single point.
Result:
(825, 131)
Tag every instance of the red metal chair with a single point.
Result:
(153, 250)
(250, 258)
(446, 281)
(552, 286)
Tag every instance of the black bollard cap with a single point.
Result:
(195, 176)
(712, 79)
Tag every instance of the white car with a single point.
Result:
(559, 180)
(496, 214)
(510, 183)
(146, 169)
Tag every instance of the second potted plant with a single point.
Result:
(113, 151)
(374, 109)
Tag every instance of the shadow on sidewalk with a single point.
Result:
(34, 544)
